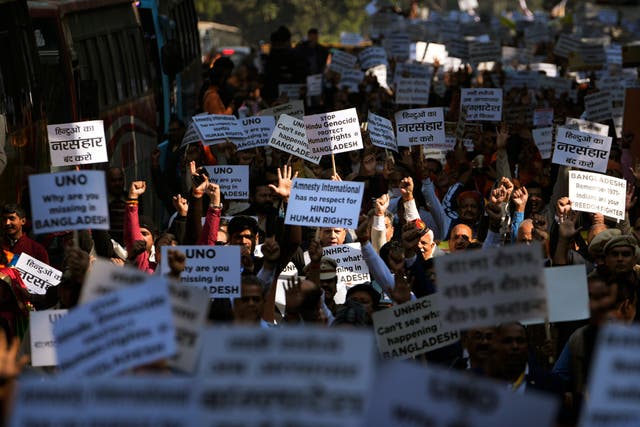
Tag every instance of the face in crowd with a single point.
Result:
(332, 236)
(246, 239)
(460, 238)
(248, 309)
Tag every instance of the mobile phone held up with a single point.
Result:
(200, 177)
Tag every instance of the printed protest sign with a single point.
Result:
(342, 61)
(482, 104)
(613, 382)
(543, 138)
(218, 128)
(433, 52)
(290, 137)
(598, 193)
(587, 126)
(74, 200)
(351, 80)
(292, 108)
(314, 85)
(412, 91)
(397, 45)
(351, 267)
(324, 203)
(309, 373)
(410, 329)
(381, 132)
(37, 275)
(213, 268)
(191, 135)
(334, 132)
(581, 149)
(232, 179)
(414, 71)
(257, 131)
(492, 286)
(126, 401)
(372, 56)
(453, 399)
(291, 90)
(116, 332)
(598, 106)
(43, 345)
(420, 126)
(104, 277)
(78, 143)
(484, 52)
(543, 117)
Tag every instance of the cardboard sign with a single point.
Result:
(292, 108)
(598, 106)
(421, 126)
(126, 401)
(482, 104)
(43, 345)
(432, 396)
(581, 149)
(351, 79)
(291, 90)
(37, 275)
(598, 193)
(257, 131)
(122, 330)
(613, 382)
(543, 117)
(305, 374)
(381, 132)
(289, 136)
(215, 269)
(74, 200)
(232, 179)
(492, 286)
(334, 132)
(412, 91)
(410, 329)
(372, 56)
(324, 203)
(218, 128)
(543, 138)
(79, 143)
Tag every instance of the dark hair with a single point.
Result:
(352, 313)
(241, 223)
(10, 208)
(281, 35)
(147, 222)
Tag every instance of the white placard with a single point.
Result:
(415, 71)
(381, 132)
(334, 132)
(434, 52)
(291, 108)
(372, 56)
(482, 104)
(289, 136)
(492, 286)
(380, 73)
(79, 143)
(598, 193)
(314, 85)
(257, 131)
(324, 203)
(412, 91)
(292, 91)
(586, 126)
(191, 135)
(613, 382)
(543, 138)
(598, 106)
(218, 128)
(232, 179)
(305, 374)
(581, 149)
(121, 330)
(420, 126)
(215, 269)
(543, 117)
(351, 79)
(351, 268)
(567, 294)
(342, 61)
(408, 395)
(43, 345)
(410, 329)
(37, 275)
(74, 200)
(105, 277)
(127, 401)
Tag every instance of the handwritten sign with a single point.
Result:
(37, 275)
(543, 138)
(381, 132)
(410, 329)
(324, 203)
(488, 287)
(74, 200)
(290, 137)
(581, 149)
(127, 328)
(257, 131)
(43, 345)
(598, 193)
(232, 179)
(334, 132)
(79, 143)
(420, 126)
(482, 104)
(218, 128)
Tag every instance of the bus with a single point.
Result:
(20, 102)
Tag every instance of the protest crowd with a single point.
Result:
(437, 229)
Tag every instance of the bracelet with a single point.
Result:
(132, 201)
(211, 205)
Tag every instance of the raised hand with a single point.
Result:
(136, 189)
(519, 198)
(180, 205)
(285, 181)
